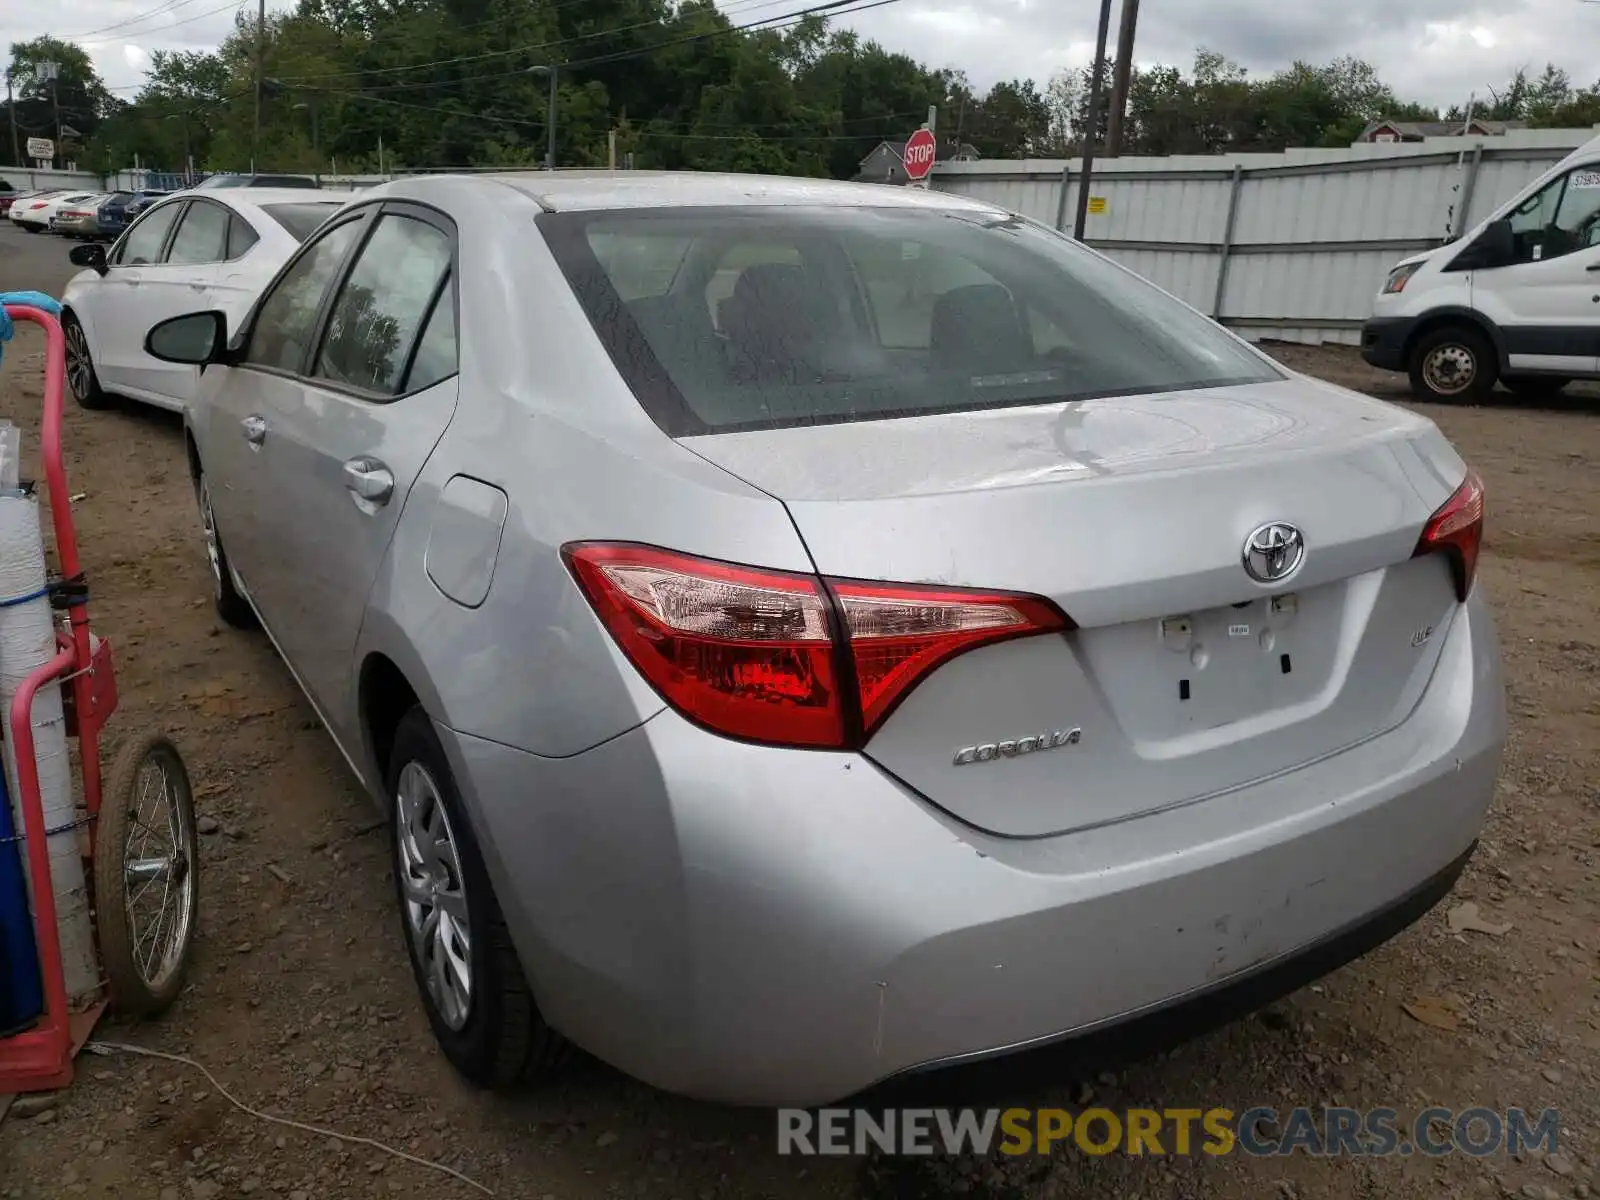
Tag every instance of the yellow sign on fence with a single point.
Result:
(1097, 204)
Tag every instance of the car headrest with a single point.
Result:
(978, 329)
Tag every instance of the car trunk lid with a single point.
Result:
(1185, 677)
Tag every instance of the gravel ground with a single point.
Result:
(301, 1005)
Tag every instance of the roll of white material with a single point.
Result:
(27, 641)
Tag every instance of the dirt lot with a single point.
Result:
(301, 1004)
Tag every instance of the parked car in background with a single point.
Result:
(806, 632)
(219, 250)
(1516, 300)
(8, 194)
(111, 216)
(34, 213)
(79, 220)
(141, 201)
(242, 181)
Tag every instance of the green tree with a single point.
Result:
(74, 100)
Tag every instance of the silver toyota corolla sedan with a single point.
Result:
(806, 632)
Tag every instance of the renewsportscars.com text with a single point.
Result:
(1321, 1132)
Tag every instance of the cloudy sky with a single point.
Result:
(1436, 51)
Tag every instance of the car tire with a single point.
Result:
(1453, 364)
(490, 1030)
(233, 608)
(1535, 387)
(82, 379)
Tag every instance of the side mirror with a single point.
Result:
(194, 339)
(1495, 245)
(90, 254)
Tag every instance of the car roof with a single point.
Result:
(592, 191)
(268, 195)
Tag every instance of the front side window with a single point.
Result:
(381, 307)
(202, 236)
(288, 318)
(1559, 218)
(799, 315)
(141, 245)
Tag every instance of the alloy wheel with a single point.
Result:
(80, 365)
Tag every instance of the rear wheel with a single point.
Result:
(1454, 364)
(231, 606)
(1536, 387)
(473, 989)
(81, 375)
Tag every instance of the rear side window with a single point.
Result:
(202, 236)
(723, 319)
(240, 236)
(141, 245)
(435, 359)
(288, 318)
(381, 307)
(300, 219)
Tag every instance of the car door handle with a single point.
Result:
(1594, 266)
(255, 430)
(369, 480)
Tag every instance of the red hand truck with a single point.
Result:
(126, 857)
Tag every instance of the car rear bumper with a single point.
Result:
(1383, 341)
(761, 926)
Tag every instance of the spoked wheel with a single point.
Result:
(146, 876)
(81, 376)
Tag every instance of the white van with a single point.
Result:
(1517, 299)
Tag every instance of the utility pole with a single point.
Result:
(611, 150)
(1122, 77)
(11, 107)
(316, 138)
(261, 58)
(550, 115)
(1092, 134)
(550, 125)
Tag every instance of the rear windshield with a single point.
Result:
(723, 319)
(299, 219)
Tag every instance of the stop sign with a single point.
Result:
(919, 155)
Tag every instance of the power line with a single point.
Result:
(635, 132)
(160, 10)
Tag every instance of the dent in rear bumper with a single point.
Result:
(778, 927)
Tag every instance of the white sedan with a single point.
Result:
(33, 213)
(211, 251)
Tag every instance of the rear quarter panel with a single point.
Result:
(544, 417)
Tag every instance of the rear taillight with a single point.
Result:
(785, 658)
(1456, 530)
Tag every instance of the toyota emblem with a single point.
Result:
(1273, 552)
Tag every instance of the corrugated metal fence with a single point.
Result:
(1290, 246)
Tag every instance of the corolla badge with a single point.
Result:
(1273, 552)
(1014, 747)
